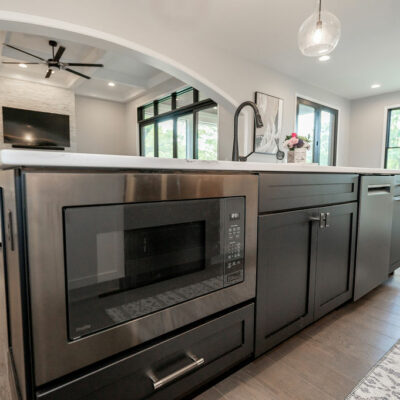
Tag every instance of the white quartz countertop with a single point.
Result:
(36, 158)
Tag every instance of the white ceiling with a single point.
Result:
(265, 31)
(132, 77)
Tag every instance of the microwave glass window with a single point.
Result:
(151, 256)
(126, 261)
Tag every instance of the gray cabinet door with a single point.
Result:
(286, 274)
(335, 258)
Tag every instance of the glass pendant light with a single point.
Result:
(319, 34)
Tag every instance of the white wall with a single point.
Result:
(100, 126)
(238, 78)
(368, 129)
(37, 97)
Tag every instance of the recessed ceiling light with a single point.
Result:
(22, 65)
(324, 58)
(112, 84)
(375, 86)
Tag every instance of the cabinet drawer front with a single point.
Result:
(286, 270)
(290, 191)
(178, 365)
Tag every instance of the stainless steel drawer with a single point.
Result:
(170, 369)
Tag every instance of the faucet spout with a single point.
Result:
(258, 122)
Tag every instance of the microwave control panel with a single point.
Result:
(234, 241)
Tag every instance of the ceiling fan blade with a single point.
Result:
(59, 53)
(77, 73)
(48, 75)
(20, 62)
(23, 51)
(83, 65)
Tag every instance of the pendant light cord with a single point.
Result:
(319, 11)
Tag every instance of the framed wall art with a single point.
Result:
(271, 110)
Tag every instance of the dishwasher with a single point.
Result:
(374, 233)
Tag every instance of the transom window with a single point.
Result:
(319, 123)
(180, 125)
(392, 148)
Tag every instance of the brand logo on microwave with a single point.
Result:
(83, 328)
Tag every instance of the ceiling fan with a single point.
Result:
(53, 63)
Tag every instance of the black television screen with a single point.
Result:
(25, 128)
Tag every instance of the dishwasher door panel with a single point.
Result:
(374, 233)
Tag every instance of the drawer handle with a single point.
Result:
(159, 383)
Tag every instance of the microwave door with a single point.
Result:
(127, 261)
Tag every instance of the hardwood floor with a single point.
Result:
(326, 360)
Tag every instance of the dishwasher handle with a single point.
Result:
(376, 190)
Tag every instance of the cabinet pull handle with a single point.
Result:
(321, 219)
(159, 383)
(327, 220)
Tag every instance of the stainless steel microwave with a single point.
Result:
(118, 259)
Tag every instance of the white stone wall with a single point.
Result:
(37, 97)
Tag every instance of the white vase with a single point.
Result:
(297, 155)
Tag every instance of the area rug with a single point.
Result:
(382, 381)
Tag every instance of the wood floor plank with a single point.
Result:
(312, 364)
(241, 386)
(284, 380)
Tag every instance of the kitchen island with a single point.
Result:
(76, 226)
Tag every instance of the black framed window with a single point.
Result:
(180, 125)
(319, 123)
(392, 147)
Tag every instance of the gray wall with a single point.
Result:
(368, 129)
(100, 126)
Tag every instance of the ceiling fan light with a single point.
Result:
(319, 34)
(112, 84)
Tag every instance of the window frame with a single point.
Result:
(174, 114)
(317, 126)
(387, 140)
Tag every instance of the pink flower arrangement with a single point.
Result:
(296, 142)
